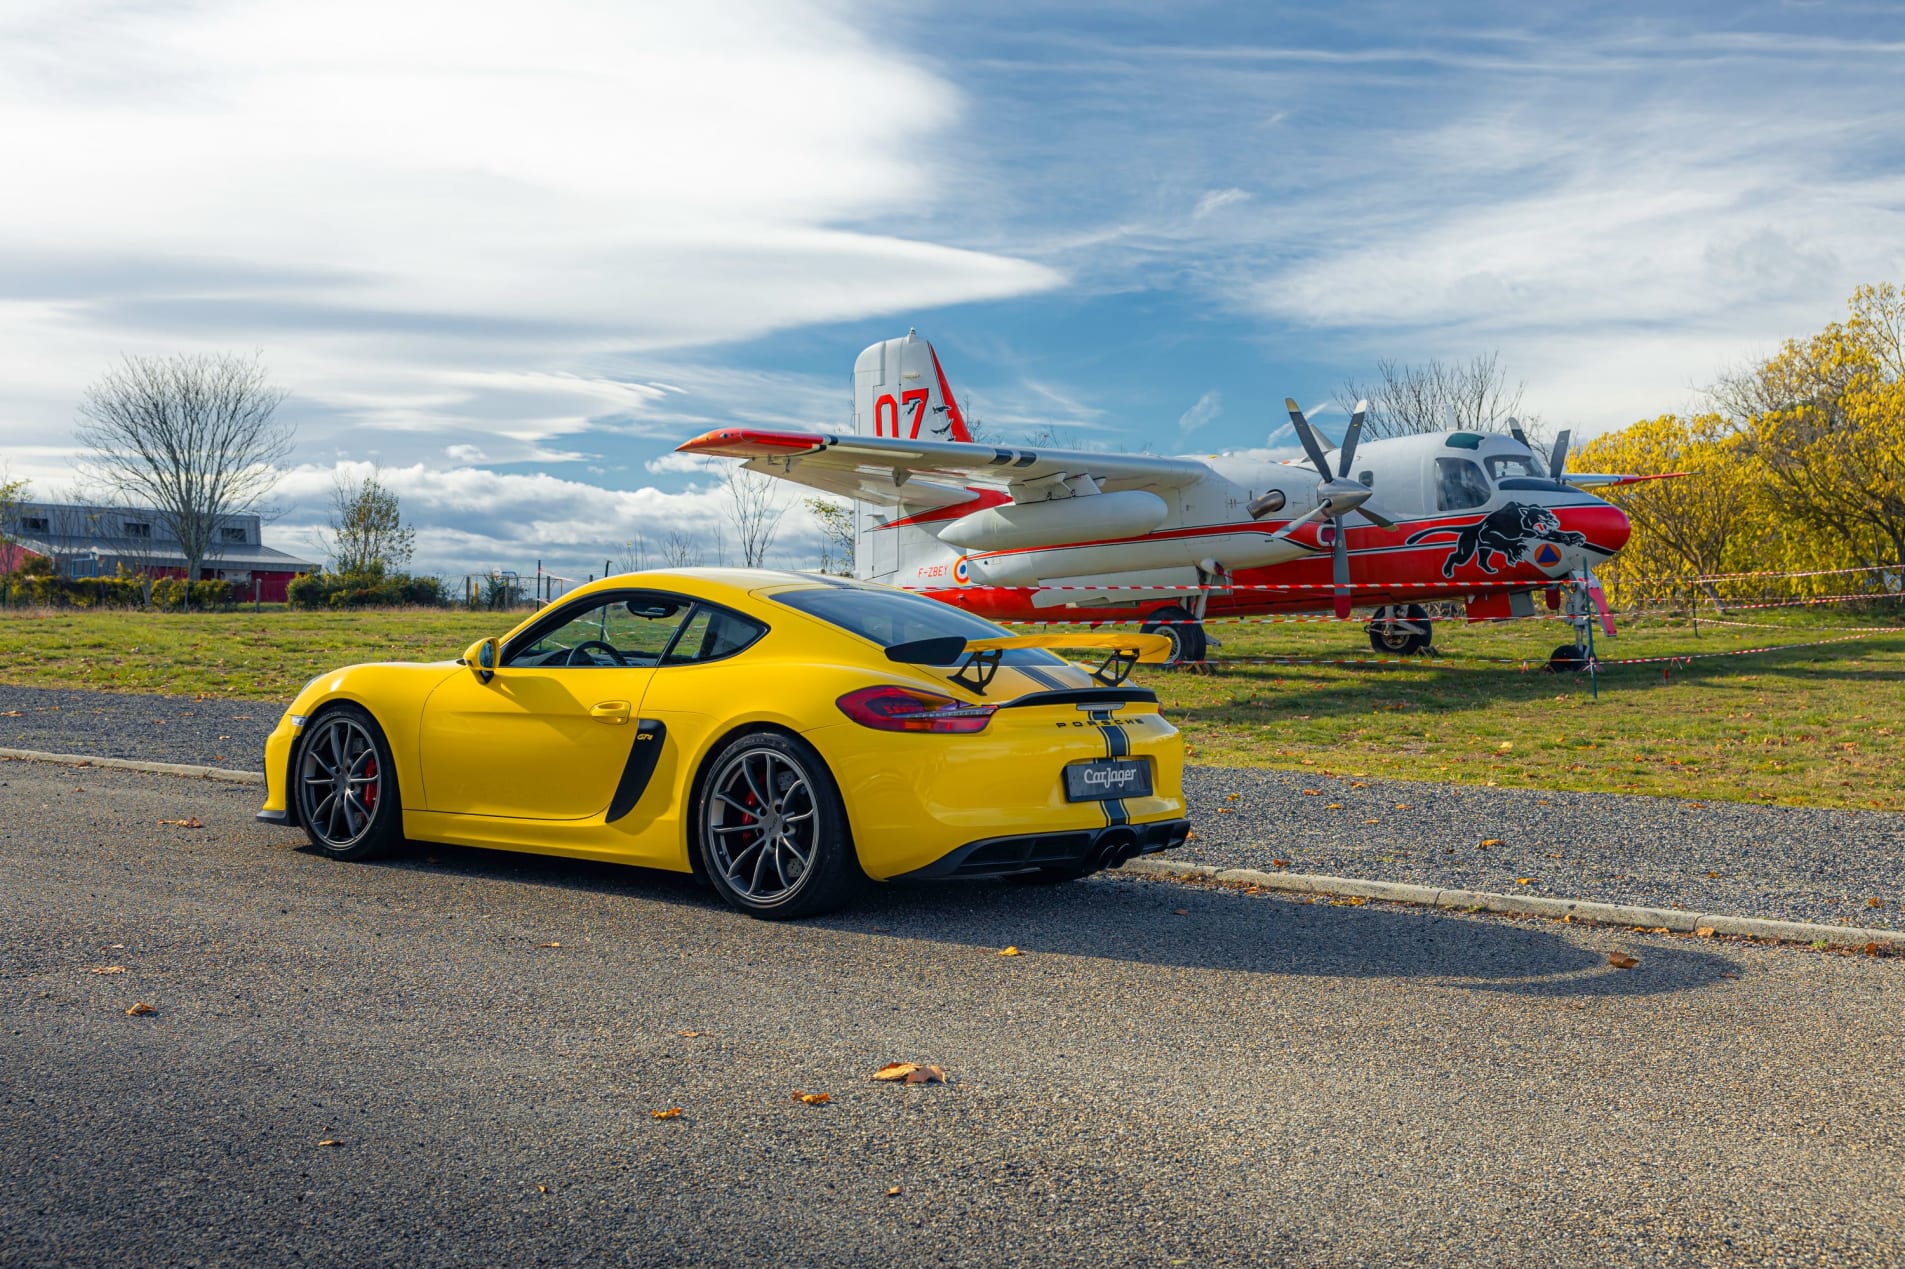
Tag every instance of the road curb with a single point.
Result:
(129, 764)
(1672, 919)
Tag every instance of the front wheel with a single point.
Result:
(346, 786)
(773, 831)
(1401, 630)
(1183, 630)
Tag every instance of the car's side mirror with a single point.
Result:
(481, 657)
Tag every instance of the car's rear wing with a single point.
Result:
(981, 657)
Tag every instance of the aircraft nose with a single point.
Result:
(1616, 531)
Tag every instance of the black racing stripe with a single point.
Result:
(1040, 677)
(1117, 745)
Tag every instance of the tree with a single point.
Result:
(754, 509)
(1825, 416)
(1407, 400)
(679, 549)
(836, 534)
(368, 535)
(194, 437)
(13, 496)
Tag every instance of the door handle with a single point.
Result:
(615, 712)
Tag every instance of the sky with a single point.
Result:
(509, 256)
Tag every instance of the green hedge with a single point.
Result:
(23, 589)
(364, 590)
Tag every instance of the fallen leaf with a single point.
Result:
(1506, 744)
(1359, 784)
(1311, 793)
(812, 1099)
(1008, 951)
(1729, 974)
(542, 1189)
(1713, 874)
(548, 945)
(330, 1141)
(1875, 903)
(1334, 806)
(1372, 821)
(1524, 881)
(192, 822)
(1174, 912)
(13, 713)
(673, 1112)
(691, 1035)
(894, 1192)
(1402, 806)
(909, 1073)
(1870, 949)
(1621, 960)
(1704, 932)
(1488, 841)
(107, 969)
(1232, 797)
(1279, 863)
(140, 1010)
(114, 947)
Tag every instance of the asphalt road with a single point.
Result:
(1249, 1080)
(1791, 863)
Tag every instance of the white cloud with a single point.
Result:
(1217, 200)
(457, 216)
(1207, 408)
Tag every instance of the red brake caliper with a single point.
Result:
(370, 790)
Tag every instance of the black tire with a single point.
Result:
(756, 866)
(345, 783)
(1184, 632)
(1567, 659)
(1389, 639)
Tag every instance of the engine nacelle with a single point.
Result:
(1126, 513)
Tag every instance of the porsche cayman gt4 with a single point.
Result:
(783, 735)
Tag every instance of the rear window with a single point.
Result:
(890, 618)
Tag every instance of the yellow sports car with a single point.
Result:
(785, 736)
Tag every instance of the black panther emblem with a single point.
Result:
(1507, 533)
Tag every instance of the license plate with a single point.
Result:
(1104, 778)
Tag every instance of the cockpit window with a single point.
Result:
(1459, 484)
(1502, 466)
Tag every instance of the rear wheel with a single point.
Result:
(772, 829)
(1182, 629)
(346, 786)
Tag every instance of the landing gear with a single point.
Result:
(1184, 631)
(1573, 658)
(1568, 659)
(1400, 630)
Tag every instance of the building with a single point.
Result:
(88, 541)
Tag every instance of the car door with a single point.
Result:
(549, 734)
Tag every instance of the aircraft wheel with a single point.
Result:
(1567, 659)
(1185, 634)
(1388, 635)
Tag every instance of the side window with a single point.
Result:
(1459, 484)
(712, 633)
(620, 630)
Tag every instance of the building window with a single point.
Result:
(137, 529)
(33, 524)
(231, 535)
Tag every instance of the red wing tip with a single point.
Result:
(743, 441)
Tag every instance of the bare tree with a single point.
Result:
(634, 555)
(194, 437)
(13, 496)
(679, 549)
(755, 509)
(367, 532)
(1406, 400)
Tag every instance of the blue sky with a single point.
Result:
(514, 256)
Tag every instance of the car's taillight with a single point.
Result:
(894, 708)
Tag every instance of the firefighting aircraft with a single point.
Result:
(1031, 535)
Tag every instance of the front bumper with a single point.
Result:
(1086, 849)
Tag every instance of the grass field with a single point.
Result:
(1815, 725)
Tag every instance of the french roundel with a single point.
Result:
(961, 572)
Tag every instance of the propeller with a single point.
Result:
(1558, 460)
(1336, 496)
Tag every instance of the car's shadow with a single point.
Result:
(1168, 925)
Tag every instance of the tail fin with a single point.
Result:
(899, 390)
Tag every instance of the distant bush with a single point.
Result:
(39, 588)
(364, 590)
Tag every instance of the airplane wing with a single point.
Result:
(1601, 480)
(893, 472)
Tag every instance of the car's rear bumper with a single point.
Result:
(1086, 849)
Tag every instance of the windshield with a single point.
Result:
(1502, 466)
(891, 617)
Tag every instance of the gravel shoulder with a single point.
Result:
(1788, 863)
(1166, 1075)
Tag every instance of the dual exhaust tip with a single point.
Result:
(1114, 848)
